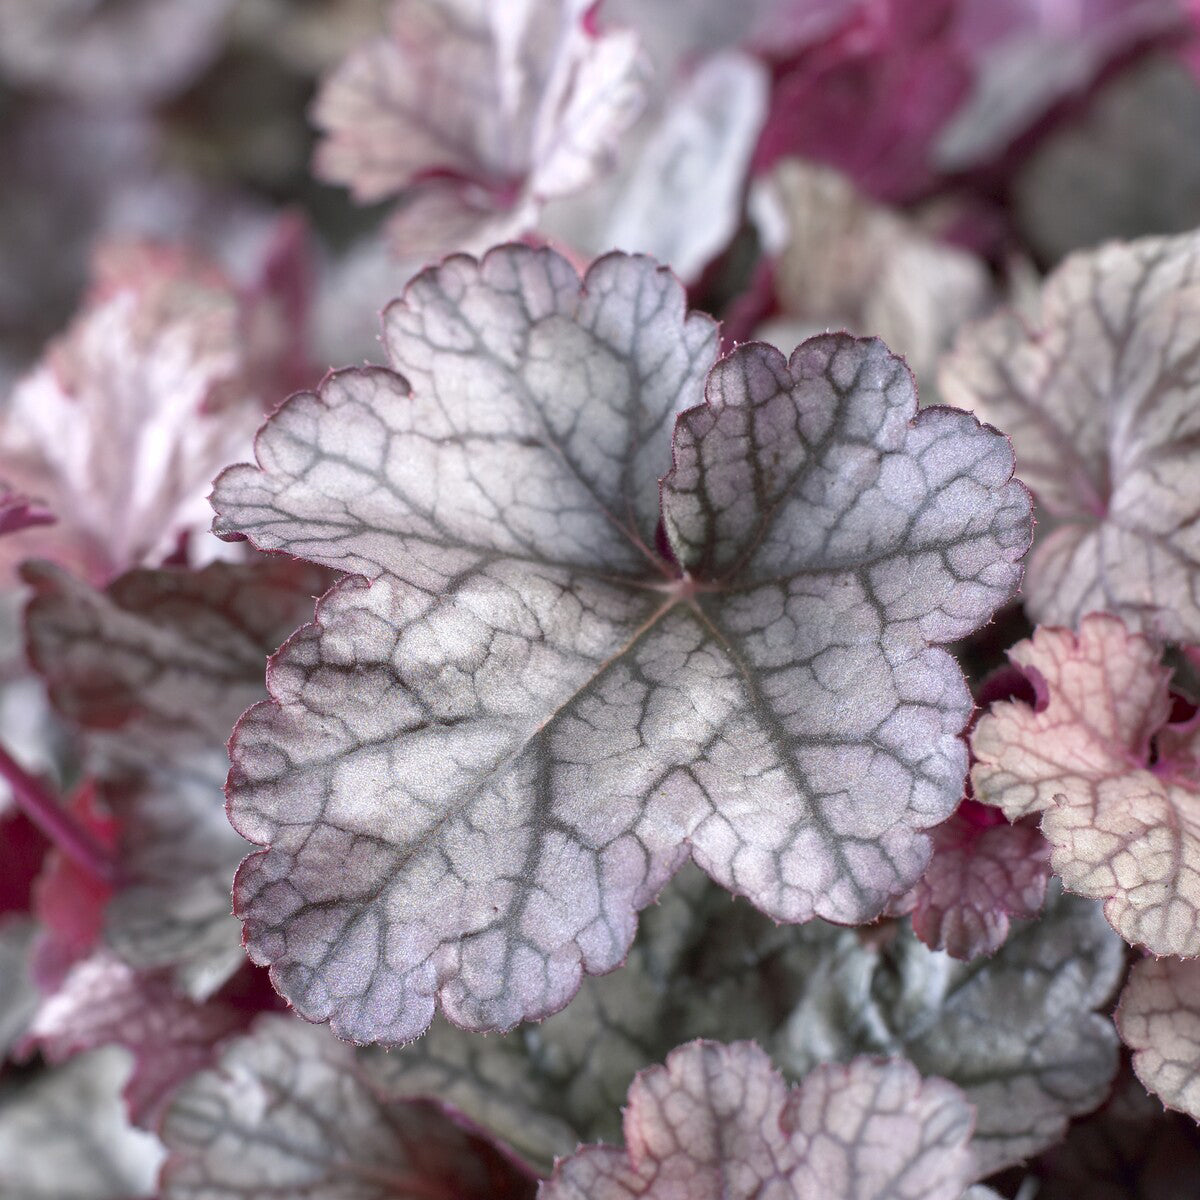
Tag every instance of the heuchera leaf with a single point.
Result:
(119, 429)
(118, 51)
(64, 1134)
(842, 260)
(476, 113)
(718, 1122)
(1159, 1020)
(158, 667)
(514, 736)
(1120, 830)
(1099, 399)
(105, 1002)
(285, 1113)
(1018, 1032)
(982, 872)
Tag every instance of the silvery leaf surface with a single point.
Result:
(516, 727)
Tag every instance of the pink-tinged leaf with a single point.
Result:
(1023, 1035)
(158, 667)
(122, 51)
(20, 512)
(105, 1002)
(871, 99)
(1159, 1020)
(1026, 56)
(843, 261)
(777, 709)
(717, 1122)
(983, 871)
(64, 1134)
(150, 390)
(1119, 831)
(475, 113)
(286, 1113)
(1098, 396)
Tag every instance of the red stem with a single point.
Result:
(55, 822)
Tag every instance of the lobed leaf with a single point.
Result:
(717, 1121)
(1159, 1020)
(476, 113)
(1098, 395)
(1019, 1032)
(763, 695)
(981, 873)
(104, 1002)
(1119, 831)
(285, 1113)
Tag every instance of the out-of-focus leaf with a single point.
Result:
(105, 1002)
(1141, 126)
(1120, 831)
(64, 1134)
(1099, 398)
(764, 694)
(476, 113)
(1018, 1032)
(843, 261)
(127, 52)
(157, 668)
(718, 1122)
(285, 1113)
(20, 512)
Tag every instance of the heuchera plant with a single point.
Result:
(599, 754)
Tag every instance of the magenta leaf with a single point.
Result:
(64, 1134)
(286, 1113)
(1098, 395)
(104, 1002)
(20, 512)
(717, 1122)
(476, 113)
(1159, 1020)
(157, 668)
(774, 707)
(983, 871)
(1120, 829)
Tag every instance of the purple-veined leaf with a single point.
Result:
(64, 1134)
(983, 871)
(717, 1122)
(772, 703)
(476, 113)
(286, 1113)
(151, 389)
(122, 51)
(157, 668)
(104, 1002)
(841, 260)
(1159, 1020)
(1018, 1032)
(678, 192)
(1099, 399)
(1119, 830)
(1107, 156)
